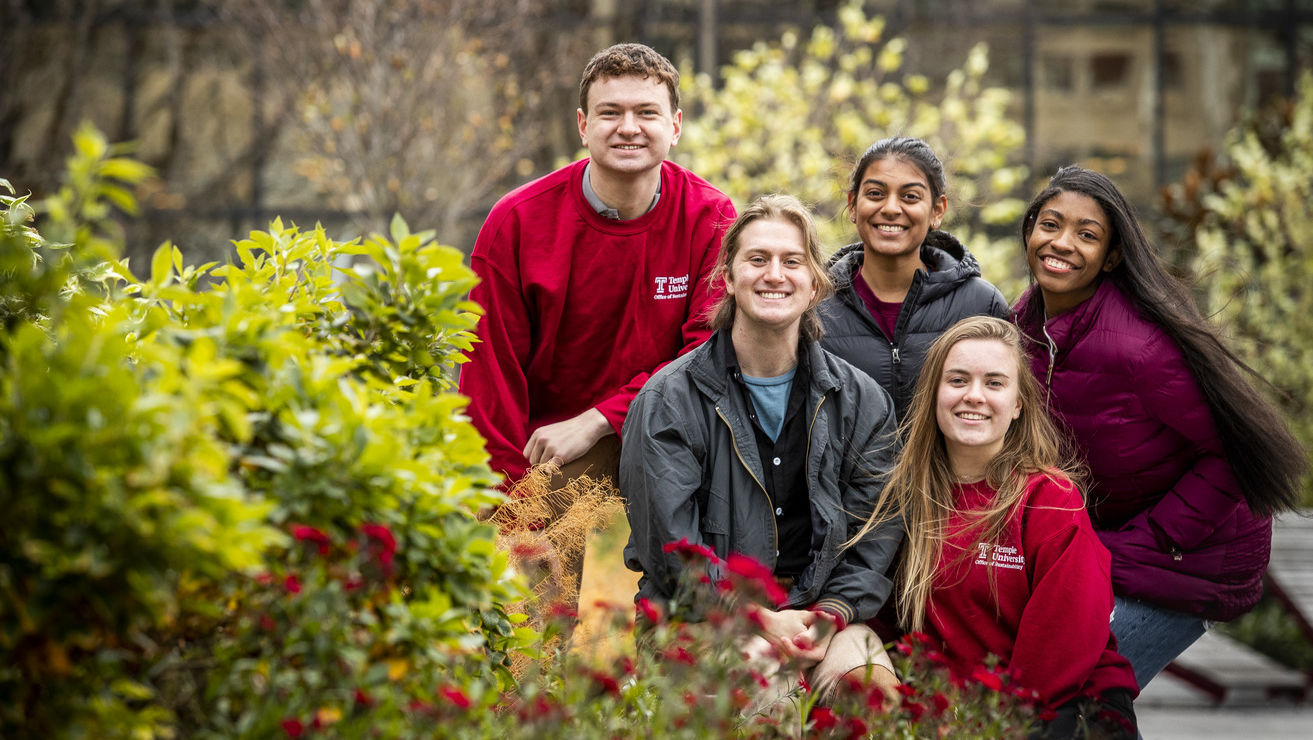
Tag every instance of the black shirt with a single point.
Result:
(784, 461)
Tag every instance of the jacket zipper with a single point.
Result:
(807, 461)
(734, 441)
(1053, 356)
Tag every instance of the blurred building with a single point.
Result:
(1136, 88)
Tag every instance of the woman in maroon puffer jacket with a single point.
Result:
(1187, 461)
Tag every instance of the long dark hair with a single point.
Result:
(1267, 460)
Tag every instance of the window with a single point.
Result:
(1173, 78)
(1109, 70)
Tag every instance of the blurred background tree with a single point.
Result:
(420, 107)
(1244, 227)
(341, 112)
(793, 116)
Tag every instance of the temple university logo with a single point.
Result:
(999, 556)
(670, 287)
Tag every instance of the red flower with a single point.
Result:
(856, 728)
(906, 689)
(679, 654)
(292, 584)
(264, 579)
(936, 657)
(941, 703)
(690, 551)
(455, 696)
(1047, 715)
(823, 719)
(875, 698)
(527, 549)
(647, 610)
(739, 698)
(267, 623)
(606, 684)
(383, 545)
(293, 727)
(1021, 692)
(915, 710)
(538, 708)
(417, 706)
(755, 573)
(908, 643)
(562, 611)
(690, 699)
(987, 678)
(306, 533)
(362, 699)
(804, 685)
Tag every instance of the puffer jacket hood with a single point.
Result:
(951, 291)
(950, 265)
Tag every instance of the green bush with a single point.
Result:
(162, 438)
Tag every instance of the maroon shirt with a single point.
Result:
(884, 312)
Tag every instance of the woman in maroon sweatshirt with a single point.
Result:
(1187, 461)
(1000, 558)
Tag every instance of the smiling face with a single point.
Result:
(894, 208)
(1068, 249)
(770, 278)
(977, 400)
(628, 126)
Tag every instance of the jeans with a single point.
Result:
(1150, 637)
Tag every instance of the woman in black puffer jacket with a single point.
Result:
(905, 282)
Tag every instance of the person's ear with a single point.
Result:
(1113, 259)
(938, 210)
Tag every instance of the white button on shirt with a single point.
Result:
(776, 461)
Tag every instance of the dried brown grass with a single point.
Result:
(544, 527)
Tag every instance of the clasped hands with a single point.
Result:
(798, 634)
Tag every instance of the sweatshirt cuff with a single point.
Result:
(842, 612)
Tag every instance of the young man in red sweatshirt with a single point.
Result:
(592, 276)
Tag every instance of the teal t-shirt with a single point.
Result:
(770, 396)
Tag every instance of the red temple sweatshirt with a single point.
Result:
(581, 309)
(1046, 613)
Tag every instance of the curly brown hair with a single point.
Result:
(629, 60)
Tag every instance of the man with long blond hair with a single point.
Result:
(761, 443)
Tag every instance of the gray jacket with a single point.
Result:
(953, 290)
(689, 469)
